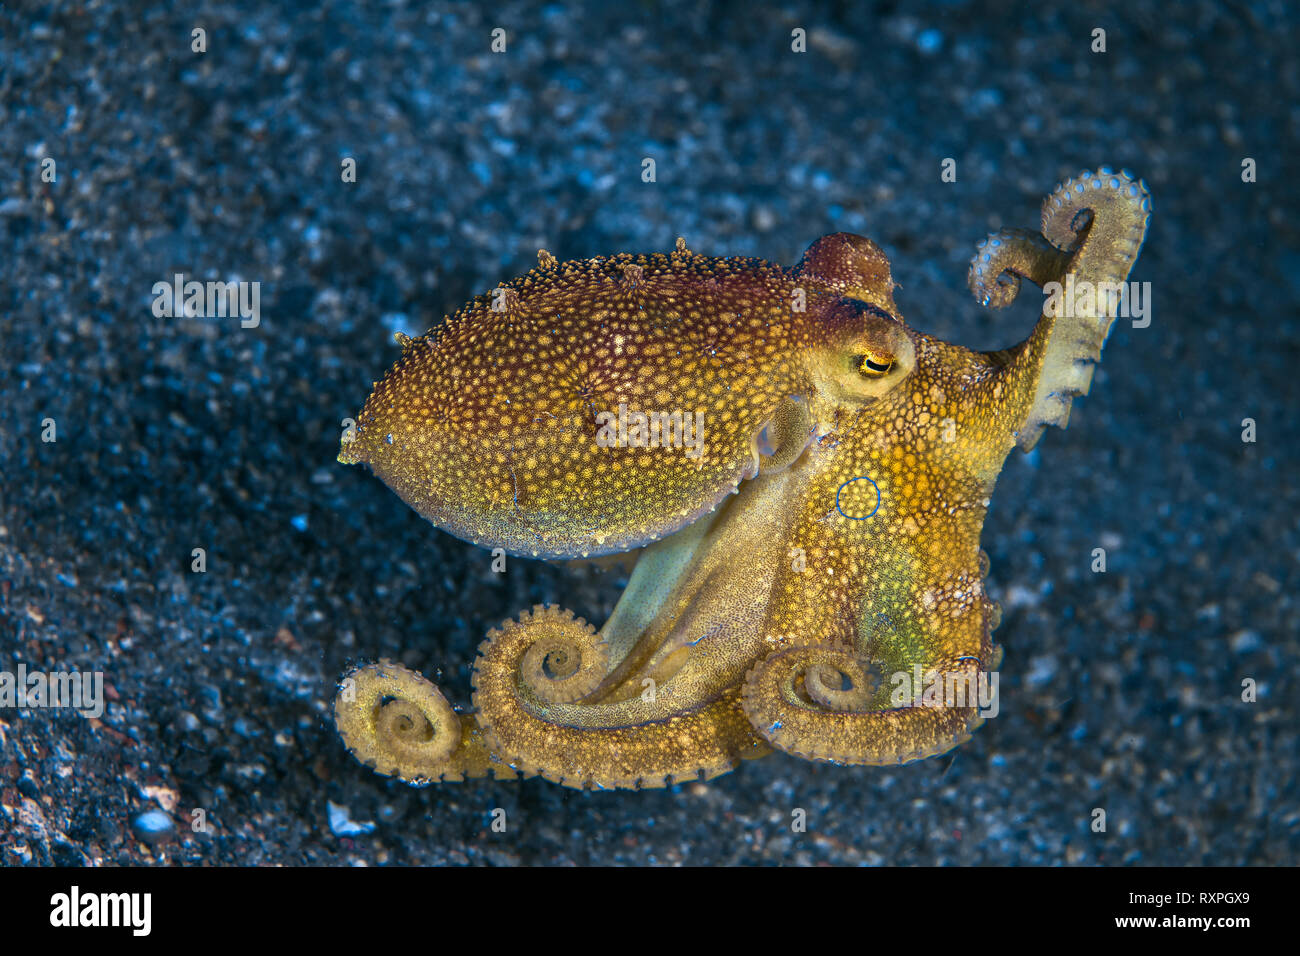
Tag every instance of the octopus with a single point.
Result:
(801, 476)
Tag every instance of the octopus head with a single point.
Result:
(864, 350)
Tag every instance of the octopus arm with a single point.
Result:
(1093, 226)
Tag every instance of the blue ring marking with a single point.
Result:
(845, 485)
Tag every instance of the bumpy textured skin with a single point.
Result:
(779, 588)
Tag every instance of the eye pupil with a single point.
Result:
(874, 365)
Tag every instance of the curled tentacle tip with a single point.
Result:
(824, 703)
(561, 657)
(993, 276)
(396, 721)
(841, 682)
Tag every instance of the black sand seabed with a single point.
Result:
(1119, 690)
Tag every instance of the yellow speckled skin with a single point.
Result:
(824, 540)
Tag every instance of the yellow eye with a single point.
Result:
(875, 365)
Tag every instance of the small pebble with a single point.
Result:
(342, 824)
(1244, 642)
(930, 41)
(152, 826)
(27, 785)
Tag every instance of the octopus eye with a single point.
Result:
(875, 365)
